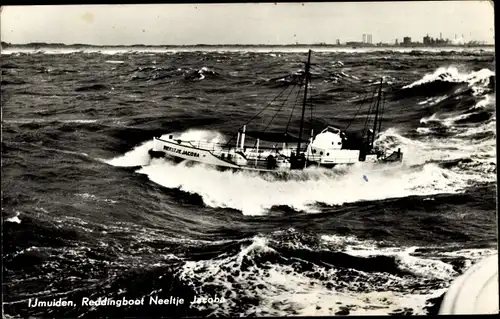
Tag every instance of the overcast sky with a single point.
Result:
(247, 23)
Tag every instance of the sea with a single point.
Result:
(86, 213)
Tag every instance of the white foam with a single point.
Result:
(92, 197)
(138, 156)
(433, 100)
(254, 194)
(450, 122)
(432, 118)
(418, 152)
(408, 260)
(280, 290)
(295, 49)
(488, 100)
(423, 130)
(428, 268)
(471, 253)
(202, 135)
(425, 268)
(14, 219)
(79, 121)
(452, 74)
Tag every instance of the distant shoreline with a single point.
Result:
(235, 46)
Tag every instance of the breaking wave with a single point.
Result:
(339, 269)
(453, 75)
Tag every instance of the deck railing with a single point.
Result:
(212, 146)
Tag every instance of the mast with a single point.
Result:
(305, 101)
(376, 112)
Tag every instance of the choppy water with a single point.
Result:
(87, 214)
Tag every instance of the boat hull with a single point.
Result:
(156, 154)
(228, 158)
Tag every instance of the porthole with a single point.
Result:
(340, 143)
(314, 151)
(327, 154)
(320, 153)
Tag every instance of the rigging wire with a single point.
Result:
(372, 104)
(363, 100)
(382, 107)
(315, 68)
(293, 108)
(282, 104)
(253, 118)
(276, 113)
(310, 100)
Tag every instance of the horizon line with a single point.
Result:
(349, 43)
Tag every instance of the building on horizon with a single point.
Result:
(430, 41)
(369, 39)
(427, 40)
(364, 38)
(407, 41)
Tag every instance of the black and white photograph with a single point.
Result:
(248, 159)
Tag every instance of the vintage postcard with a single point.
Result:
(249, 159)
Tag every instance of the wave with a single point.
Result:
(453, 75)
(475, 121)
(444, 149)
(37, 120)
(14, 219)
(200, 74)
(255, 195)
(447, 84)
(158, 73)
(335, 279)
(93, 87)
(13, 82)
(430, 51)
